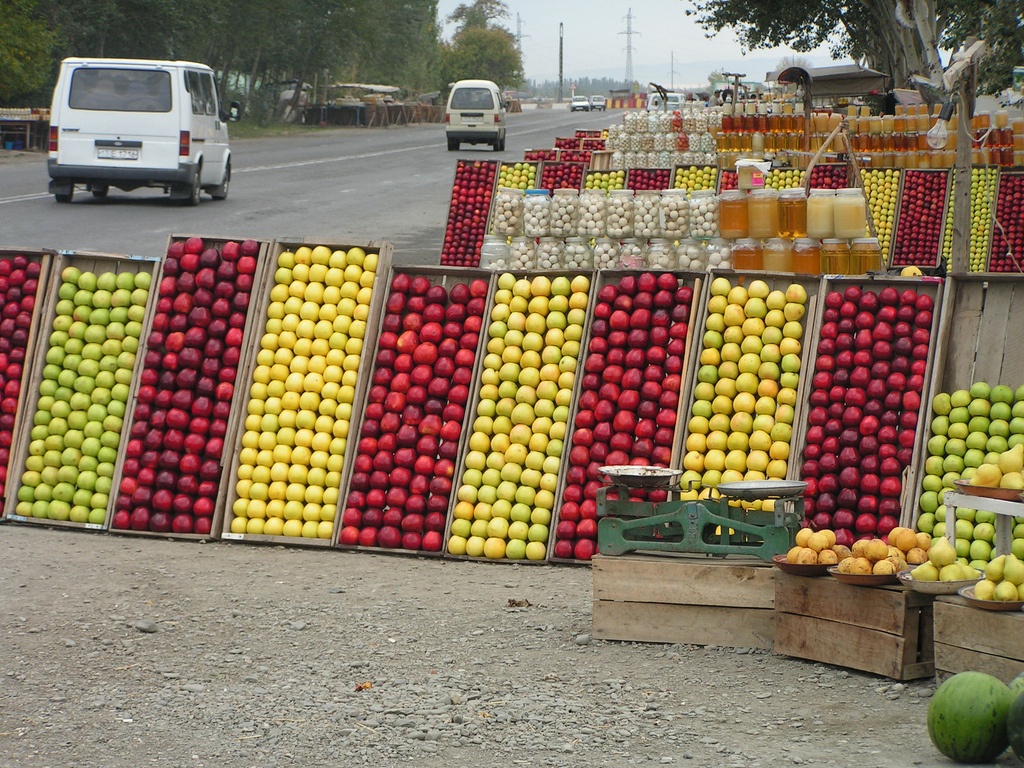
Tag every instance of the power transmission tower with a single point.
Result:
(629, 45)
(519, 34)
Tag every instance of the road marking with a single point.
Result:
(23, 198)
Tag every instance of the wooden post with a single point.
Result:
(961, 252)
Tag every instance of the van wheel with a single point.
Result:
(197, 188)
(64, 197)
(220, 192)
(100, 191)
(453, 145)
(501, 144)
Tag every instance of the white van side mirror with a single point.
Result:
(234, 111)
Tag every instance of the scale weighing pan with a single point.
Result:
(634, 476)
(754, 490)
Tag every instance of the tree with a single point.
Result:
(488, 54)
(480, 14)
(26, 49)
(900, 43)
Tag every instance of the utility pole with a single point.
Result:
(561, 42)
(672, 70)
(629, 45)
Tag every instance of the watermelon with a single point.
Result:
(1015, 725)
(967, 717)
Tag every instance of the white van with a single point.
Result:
(475, 115)
(131, 123)
(672, 103)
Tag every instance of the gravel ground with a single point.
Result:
(123, 652)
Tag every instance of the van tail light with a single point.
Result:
(53, 139)
(447, 117)
(496, 118)
(184, 144)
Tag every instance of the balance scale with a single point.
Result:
(717, 527)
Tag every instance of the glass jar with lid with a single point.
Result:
(865, 255)
(537, 213)
(565, 204)
(850, 213)
(792, 213)
(661, 254)
(691, 255)
(763, 213)
(646, 215)
(835, 256)
(720, 253)
(747, 254)
(704, 214)
(494, 253)
(522, 253)
(807, 256)
(619, 218)
(777, 255)
(674, 216)
(549, 253)
(507, 212)
(820, 214)
(606, 253)
(592, 212)
(631, 254)
(577, 254)
(733, 221)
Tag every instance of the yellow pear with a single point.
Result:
(950, 572)
(925, 572)
(1013, 570)
(942, 553)
(1005, 591)
(987, 476)
(985, 590)
(1012, 481)
(994, 569)
(1012, 460)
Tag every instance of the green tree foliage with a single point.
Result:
(256, 46)
(26, 46)
(868, 29)
(482, 53)
(480, 13)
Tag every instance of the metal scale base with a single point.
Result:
(717, 527)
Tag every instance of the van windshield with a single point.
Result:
(121, 90)
(472, 98)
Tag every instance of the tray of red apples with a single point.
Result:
(23, 277)
(648, 179)
(628, 406)
(561, 175)
(863, 415)
(1008, 235)
(169, 482)
(567, 142)
(414, 421)
(534, 155)
(468, 209)
(920, 218)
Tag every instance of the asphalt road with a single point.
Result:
(338, 185)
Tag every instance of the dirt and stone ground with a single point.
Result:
(122, 652)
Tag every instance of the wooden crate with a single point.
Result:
(601, 160)
(474, 401)
(883, 630)
(243, 370)
(1011, 224)
(975, 314)
(906, 222)
(30, 350)
(972, 639)
(696, 600)
(611, 277)
(85, 261)
(261, 297)
(464, 225)
(447, 277)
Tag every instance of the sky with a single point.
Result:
(668, 46)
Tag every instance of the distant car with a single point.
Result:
(579, 104)
(598, 103)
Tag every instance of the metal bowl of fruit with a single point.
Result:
(937, 587)
(800, 569)
(967, 593)
(862, 579)
(1004, 494)
(634, 476)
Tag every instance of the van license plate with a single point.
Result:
(105, 153)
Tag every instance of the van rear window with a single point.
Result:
(121, 90)
(472, 98)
